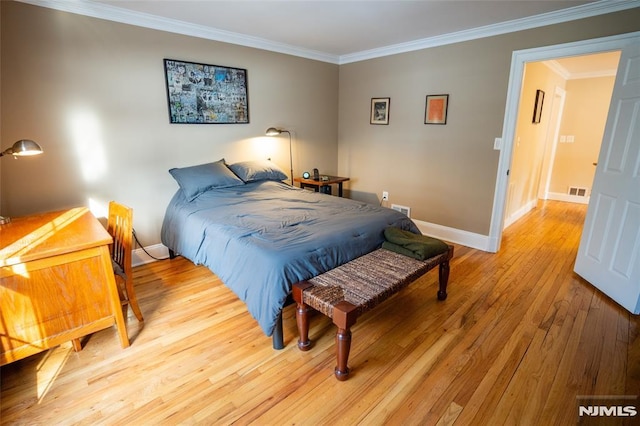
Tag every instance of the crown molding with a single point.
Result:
(116, 14)
(596, 74)
(140, 19)
(556, 67)
(600, 7)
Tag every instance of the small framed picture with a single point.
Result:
(380, 110)
(435, 110)
(537, 107)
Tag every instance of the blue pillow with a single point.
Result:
(250, 171)
(195, 180)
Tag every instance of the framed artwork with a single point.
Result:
(380, 110)
(537, 107)
(206, 94)
(435, 110)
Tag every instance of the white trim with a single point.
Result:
(571, 14)
(594, 74)
(458, 236)
(559, 196)
(520, 213)
(518, 59)
(556, 67)
(139, 257)
(145, 20)
(117, 14)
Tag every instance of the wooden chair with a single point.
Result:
(120, 227)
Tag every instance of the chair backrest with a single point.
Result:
(120, 227)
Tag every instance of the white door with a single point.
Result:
(609, 253)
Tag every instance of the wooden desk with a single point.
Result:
(325, 184)
(56, 282)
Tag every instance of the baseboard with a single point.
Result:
(465, 238)
(458, 236)
(559, 196)
(158, 251)
(519, 213)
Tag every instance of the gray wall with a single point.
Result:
(92, 93)
(446, 174)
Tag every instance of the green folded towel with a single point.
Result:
(400, 250)
(417, 246)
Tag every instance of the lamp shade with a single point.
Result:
(23, 147)
(272, 131)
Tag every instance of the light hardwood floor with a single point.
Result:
(519, 337)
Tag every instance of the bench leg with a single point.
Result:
(343, 346)
(302, 319)
(302, 315)
(443, 276)
(344, 316)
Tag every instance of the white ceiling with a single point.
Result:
(339, 31)
(586, 66)
(343, 27)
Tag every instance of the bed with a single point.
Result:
(260, 236)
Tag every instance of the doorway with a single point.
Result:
(520, 58)
(554, 157)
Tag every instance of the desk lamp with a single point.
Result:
(22, 148)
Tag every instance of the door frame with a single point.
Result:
(518, 60)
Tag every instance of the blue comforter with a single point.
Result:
(262, 237)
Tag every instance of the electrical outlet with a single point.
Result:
(385, 196)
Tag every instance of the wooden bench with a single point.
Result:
(346, 292)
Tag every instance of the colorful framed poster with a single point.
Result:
(206, 94)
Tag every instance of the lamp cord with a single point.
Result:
(290, 155)
(290, 158)
(135, 237)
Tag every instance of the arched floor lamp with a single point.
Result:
(272, 131)
(22, 148)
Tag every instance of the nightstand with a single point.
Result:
(323, 186)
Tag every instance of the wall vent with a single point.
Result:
(402, 209)
(577, 191)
